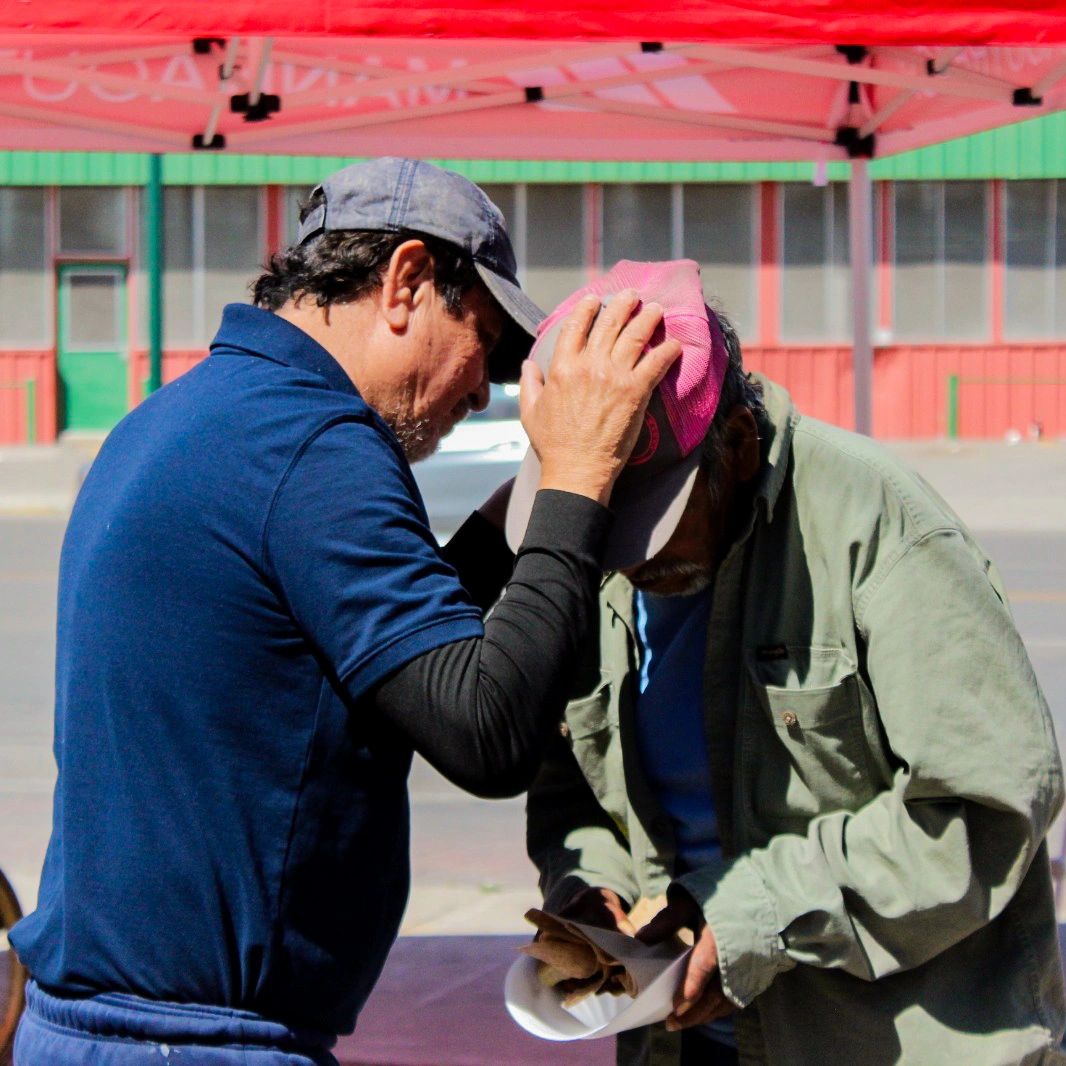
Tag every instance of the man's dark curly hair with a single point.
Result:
(342, 266)
(738, 388)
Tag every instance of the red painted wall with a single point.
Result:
(819, 378)
(16, 368)
(1002, 387)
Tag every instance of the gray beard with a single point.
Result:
(694, 578)
(416, 435)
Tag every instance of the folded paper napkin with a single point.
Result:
(560, 987)
(572, 963)
(581, 961)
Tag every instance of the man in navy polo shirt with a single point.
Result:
(256, 629)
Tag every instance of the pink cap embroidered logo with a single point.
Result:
(649, 438)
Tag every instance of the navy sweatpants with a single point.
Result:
(114, 1029)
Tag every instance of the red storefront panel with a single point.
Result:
(818, 378)
(28, 404)
(999, 388)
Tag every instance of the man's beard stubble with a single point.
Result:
(416, 436)
(419, 437)
(674, 577)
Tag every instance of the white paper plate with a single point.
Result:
(540, 1011)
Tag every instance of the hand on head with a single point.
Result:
(584, 420)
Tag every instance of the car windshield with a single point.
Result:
(502, 406)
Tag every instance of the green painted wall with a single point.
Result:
(1032, 149)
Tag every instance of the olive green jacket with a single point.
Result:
(884, 771)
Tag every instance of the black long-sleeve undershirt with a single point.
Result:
(481, 710)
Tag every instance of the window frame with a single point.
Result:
(939, 337)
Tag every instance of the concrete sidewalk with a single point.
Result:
(44, 478)
(994, 486)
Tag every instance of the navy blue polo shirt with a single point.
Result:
(248, 556)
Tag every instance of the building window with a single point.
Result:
(292, 199)
(505, 198)
(183, 323)
(233, 248)
(1034, 283)
(25, 282)
(815, 276)
(213, 252)
(92, 221)
(720, 233)
(551, 243)
(637, 223)
(941, 275)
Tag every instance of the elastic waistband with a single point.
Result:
(123, 1015)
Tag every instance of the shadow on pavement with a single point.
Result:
(440, 1003)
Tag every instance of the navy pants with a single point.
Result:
(114, 1029)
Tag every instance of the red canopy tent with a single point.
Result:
(554, 79)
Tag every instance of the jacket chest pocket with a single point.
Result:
(591, 726)
(810, 752)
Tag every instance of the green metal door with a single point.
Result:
(92, 345)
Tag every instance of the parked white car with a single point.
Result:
(480, 453)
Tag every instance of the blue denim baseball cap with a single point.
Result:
(396, 194)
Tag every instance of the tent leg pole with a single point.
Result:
(860, 216)
(153, 208)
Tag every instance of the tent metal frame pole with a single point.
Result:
(460, 77)
(153, 229)
(860, 206)
(50, 70)
(576, 95)
(1050, 79)
(79, 121)
(943, 84)
(126, 55)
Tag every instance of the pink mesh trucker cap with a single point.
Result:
(654, 487)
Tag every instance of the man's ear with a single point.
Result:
(742, 439)
(404, 282)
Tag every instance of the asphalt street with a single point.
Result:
(471, 878)
(470, 870)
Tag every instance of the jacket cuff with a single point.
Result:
(743, 918)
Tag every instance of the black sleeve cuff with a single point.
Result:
(567, 521)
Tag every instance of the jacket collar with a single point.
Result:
(255, 331)
(778, 429)
(617, 594)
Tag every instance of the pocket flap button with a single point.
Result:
(789, 718)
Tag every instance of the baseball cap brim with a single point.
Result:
(646, 511)
(523, 318)
(643, 521)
